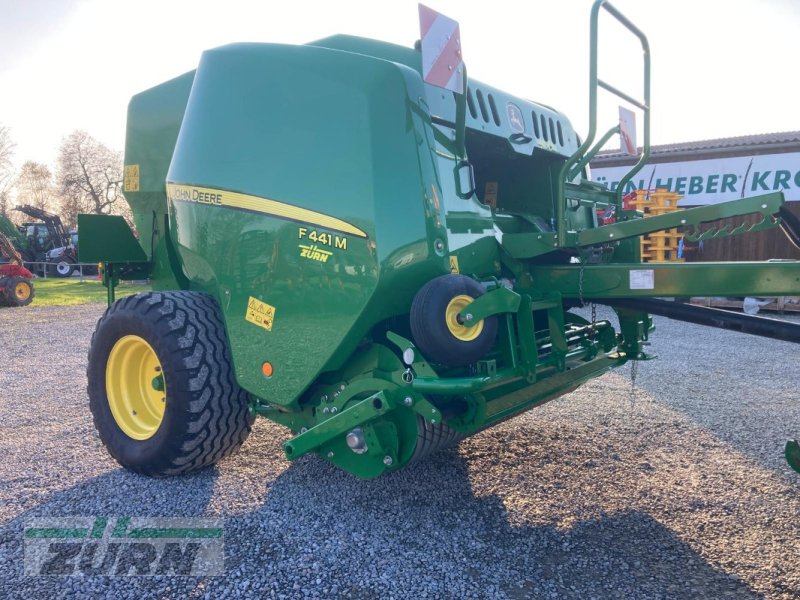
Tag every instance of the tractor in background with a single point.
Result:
(49, 242)
(16, 286)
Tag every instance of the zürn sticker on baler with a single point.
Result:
(274, 208)
(260, 313)
(314, 252)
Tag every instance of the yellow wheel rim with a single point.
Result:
(135, 387)
(22, 290)
(461, 332)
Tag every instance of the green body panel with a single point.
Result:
(314, 190)
(154, 120)
(774, 278)
(108, 238)
(345, 146)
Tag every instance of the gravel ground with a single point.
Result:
(677, 491)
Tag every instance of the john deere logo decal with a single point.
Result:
(515, 120)
(258, 204)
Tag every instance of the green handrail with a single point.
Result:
(590, 154)
(568, 170)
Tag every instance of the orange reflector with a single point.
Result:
(266, 369)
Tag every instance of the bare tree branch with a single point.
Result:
(6, 169)
(89, 174)
(35, 186)
(6, 149)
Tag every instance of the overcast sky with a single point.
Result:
(720, 67)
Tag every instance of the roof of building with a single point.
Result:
(765, 143)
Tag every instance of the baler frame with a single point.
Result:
(378, 401)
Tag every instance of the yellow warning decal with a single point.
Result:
(130, 178)
(454, 264)
(274, 208)
(260, 313)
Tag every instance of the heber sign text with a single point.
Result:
(716, 180)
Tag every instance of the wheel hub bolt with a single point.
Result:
(356, 441)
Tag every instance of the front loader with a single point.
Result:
(54, 250)
(357, 241)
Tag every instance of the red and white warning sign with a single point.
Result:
(627, 132)
(442, 63)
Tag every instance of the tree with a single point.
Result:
(6, 169)
(90, 177)
(70, 206)
(5, 201)
(6, 149)
(35, 186)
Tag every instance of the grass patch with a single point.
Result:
(64, 292)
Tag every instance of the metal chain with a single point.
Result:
(634, 365)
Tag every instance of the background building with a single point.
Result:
(712, 171)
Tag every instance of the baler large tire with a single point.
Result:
(161, 385)
(18, 291)
(434, 326)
